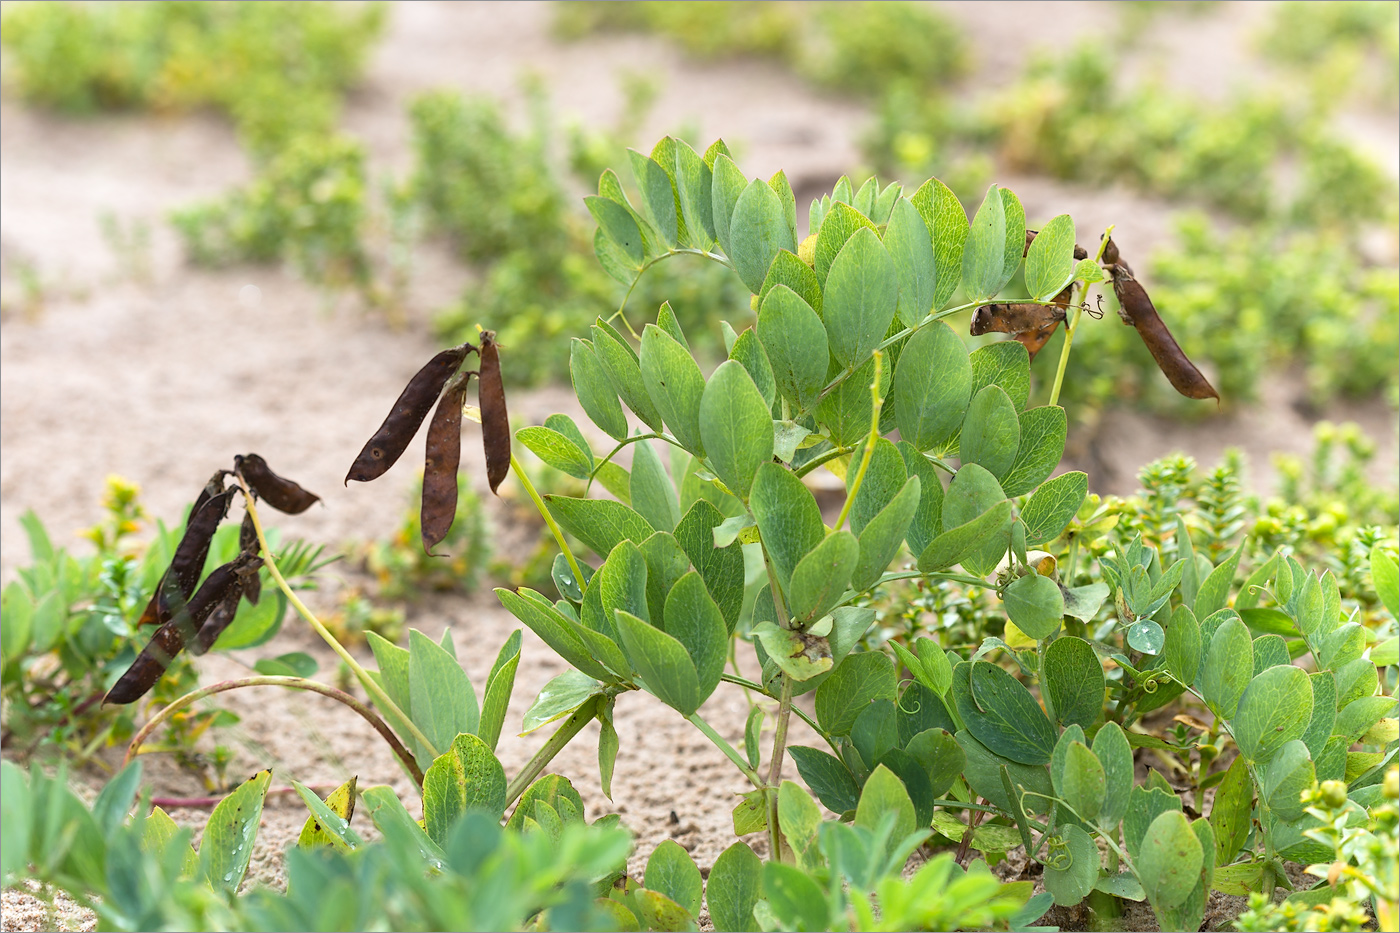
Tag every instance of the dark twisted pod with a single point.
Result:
(282, 494)
(495, 424)
(182, 575)
(171, 638)
(248, 544)
(1029, 323)
(388, 443)
(440, 466)
(1136, 309)
(245, 568)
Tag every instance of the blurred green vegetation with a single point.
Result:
(278, 68)
(1343, 46)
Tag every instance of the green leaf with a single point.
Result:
(616, 223)
(1002, 714)
(556, 450)
(789, 519)
(1006, 364)
(693, 177)
(827, 777)
(693, 619)
(1169, 863)
(599, 523)
(799, 818)
(791, 271)
(1324, 712)
(983, 774)
(838, 226)
(928, 517)
(733, 888)
(658, 197)
(1015, 244)
(391, 818)
(884, 477)
(653, 494)
(1083, 602)
(845, 411)
(1230, 814)
(749, 353)
(1228, 667)
(859, 298)
(946, 220)
(672, 872)
(1146, 636)
(1275, 708)
(757, 230)
(1360, 715)
(675, 385)
(862, 678)
(227, 844)
(1182, 649)
(499, 683)
(1072, 868)
(329, 823)
(1042, 444)
(727, 185)
(795, 339)
(911, 247)
(984, 254)
(662, 662)
(932, 387)
(750, 814)
(1112, 750)
(883, 534)
(1083, 784)
(555, 630)
(1035, 604)
(595, 390)
(465, 777)
(1385, 575)
(794, 898)
(721, 568)
(783, 189)
(1074, 680)
(801, 656)
(991, 431)
(1215, 589)
(444, 704)
(1051, 507)
(736, 427)
(625, 373)
(291, 664)
(1050, 260)
(821, 576)
(976, 524)
(884, 793)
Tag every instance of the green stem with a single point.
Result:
(875, 404)
(935, 575)
(684, 251)
(1073, 325)
(593, 474)
(729, 750)
(801, 714)
(817, 461)
(571, 727)
(295, 683)
(548, 518)
(372, 688)
(775, 768)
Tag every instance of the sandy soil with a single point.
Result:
(162, 379)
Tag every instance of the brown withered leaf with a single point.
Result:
(1135, 308)
(440, 467)
(282, 494)
(171, 638)
(391, 440)
(180, 578)
(245, 569)
(495, 424)
(1027, 322)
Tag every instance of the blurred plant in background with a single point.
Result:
(404, 571)
(1343, 46)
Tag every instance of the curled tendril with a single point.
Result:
(910, 711)
(1059, 857)
(1150, 685)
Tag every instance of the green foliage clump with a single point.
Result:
(276, 68)
(306, 206)
(1341, 45)
(856, 48)
(405, 571)
(1244, 304)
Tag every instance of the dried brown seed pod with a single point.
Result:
(440, 467)
(495, 424)
(1029, 323)
(1135, 307)
(282, 494)
(412, 406)
(180, 578)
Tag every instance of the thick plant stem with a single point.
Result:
(294, 683)
(875, 405)
(775, 768)
(548, 518)
(372, 688)
(571, 727)
(1073, 325)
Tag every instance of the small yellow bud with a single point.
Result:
(807, 251)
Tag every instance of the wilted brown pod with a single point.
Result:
(440, 467)
(172, 637)
(248, 544)
(412, 406)
(1029, 323)
(245, 569)
(210, 508)
(282, 494)
(1136, 308)
(495, 424)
